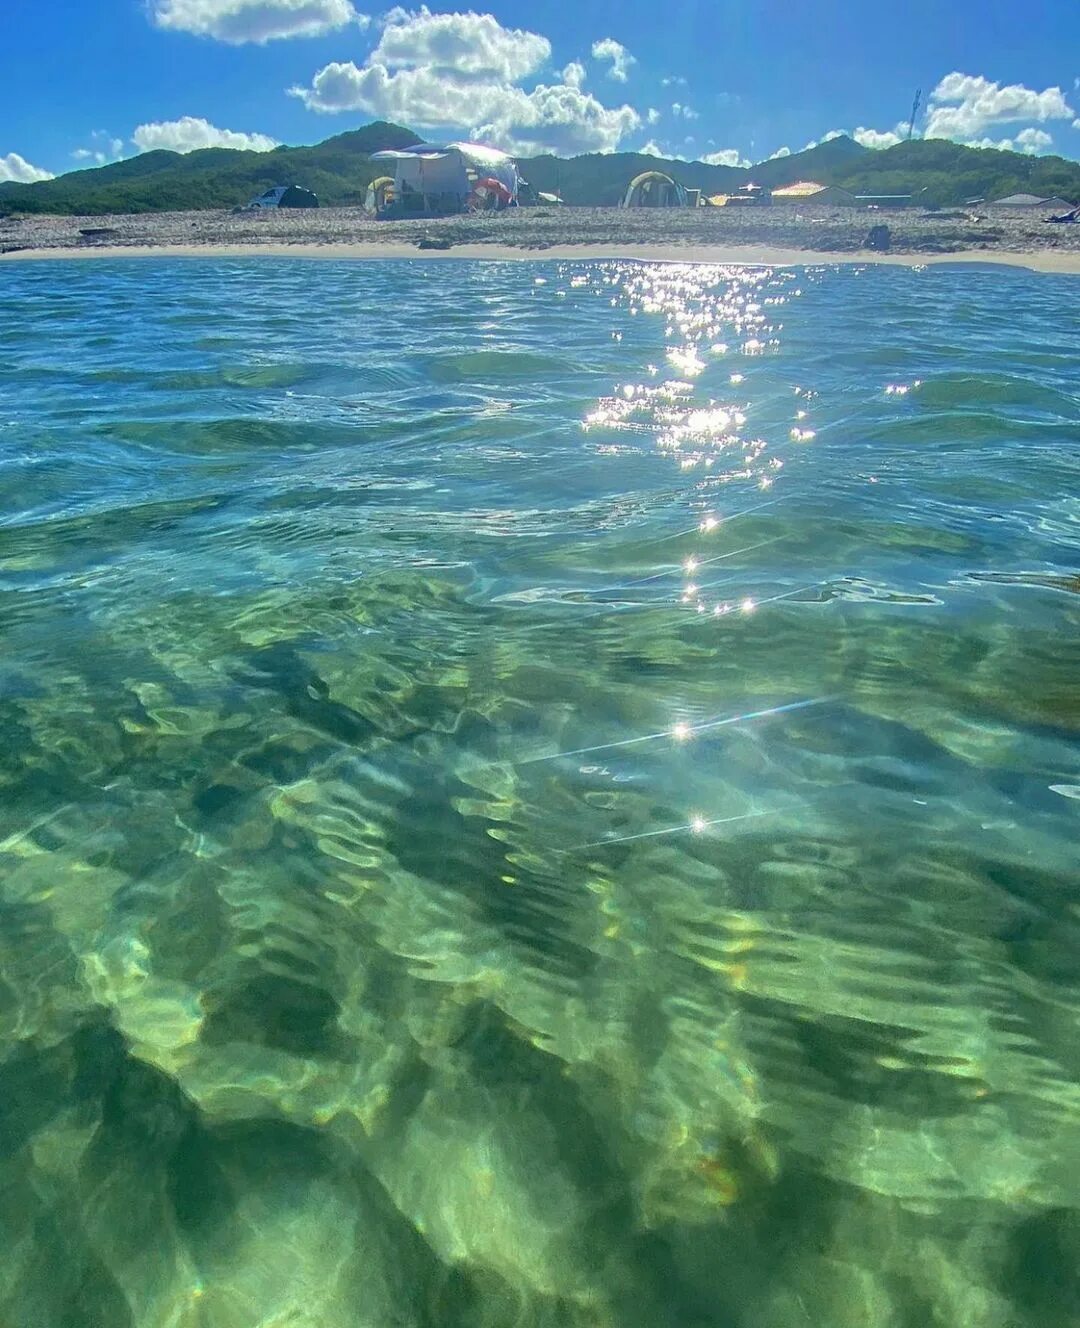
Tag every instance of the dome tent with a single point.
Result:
(653, 189)
(380, 193)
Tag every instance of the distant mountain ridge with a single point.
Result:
(339, 170)
(600, 178)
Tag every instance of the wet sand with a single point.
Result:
(1037, 261)
(760, 235)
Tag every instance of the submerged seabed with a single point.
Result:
(538, 795)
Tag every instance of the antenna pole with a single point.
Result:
(914, 112)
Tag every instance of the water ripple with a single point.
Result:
(555, 811)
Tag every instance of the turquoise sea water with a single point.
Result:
(538, 795)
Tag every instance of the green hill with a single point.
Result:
(340, 169)
(950, 173)
(600, 179)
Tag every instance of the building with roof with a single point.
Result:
(1030, 201)
(809, 192)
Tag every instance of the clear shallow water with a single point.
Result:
(538, 795)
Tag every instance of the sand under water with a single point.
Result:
(538, 794)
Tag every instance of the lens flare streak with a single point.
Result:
(696, 825)
(681, 731)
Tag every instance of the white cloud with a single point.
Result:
(673, 81)
(1076, 124)
(476, 45)
(239, 21)
(616, 52)
(652, 116)
(1033, 140)
(725, 157)
(686, 112)
(557, 119)
(462, 71)
(825, 138)
(879, 138)
(780, 152)
(573, 75)
(962, 106)
(14, 167)
(190, 133)
(104, 148)
(1030, 141)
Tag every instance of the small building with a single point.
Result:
(809, 192)
(1054, 204)
(653, 189)
(282, 196)
(433, 179)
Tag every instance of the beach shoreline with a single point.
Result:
(770, 236)
(1047, 260)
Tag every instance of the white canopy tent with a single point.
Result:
(449, 178)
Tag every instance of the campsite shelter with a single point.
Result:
(816, 195)
(284, 196)
(653, 189)
(380, 194)
(443, 179)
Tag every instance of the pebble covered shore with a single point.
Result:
(838, 230)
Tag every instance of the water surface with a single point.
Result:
(538, 794)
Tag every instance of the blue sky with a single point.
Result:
(84, 82)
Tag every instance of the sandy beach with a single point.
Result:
(760, 235)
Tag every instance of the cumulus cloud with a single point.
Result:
(725, 157)
(825, 138)
(462, 71)
(963, 106)
(673, 81)
(14, 167)
(557, 119)
(686, 112)
(652, 116)
(880, 138)
(259, 21)
(780, 152)
(616, 52)
(573, 75)
(190, 133)
(722, 157)
(1030, 141)
(1033, 140)
(475, 45)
